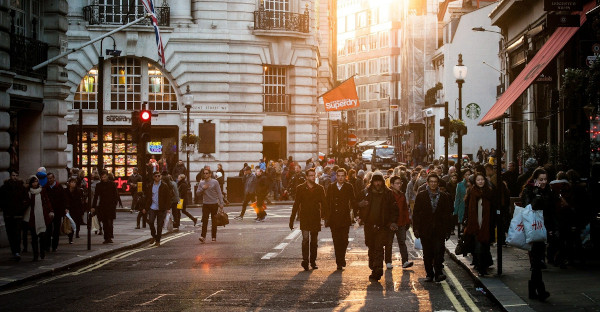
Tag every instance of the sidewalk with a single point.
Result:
(576, 288)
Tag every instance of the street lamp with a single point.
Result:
(188, 99)
(460, 73)
(485, 30)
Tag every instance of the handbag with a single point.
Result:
(180, 204)
(169, 222)
(533, 222)
(516, 231)
(95, 223)
(418, 244)
(221, 218)
(65, 227)
(464, 245)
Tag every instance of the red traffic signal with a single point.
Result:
(145, 115)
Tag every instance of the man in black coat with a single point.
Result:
(262, 189)
(158, 202)
(106, 207)
(432, 223)
(58, 199)
(379, 213)
(309, 205)
(341, 204)
(14, 202)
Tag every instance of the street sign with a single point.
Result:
(394, 108)
(335, 115)
(352, 139)
(563, 5)
(589, 61)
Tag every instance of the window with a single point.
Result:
(374, 16)
(279, 8)
(341, 72)
(350, 22)
(383, 118)
(384, 89)
(373, 41)
(362, 93)
(373, 119)
(373, 92)
(373, 69)
(85, 97)
(384, 39)
(362, 19)
(384, 63)
(351, 69)
(362, 44)
(126, 84)
(342, 51)
(18, 6)
(161, 95)
(275, 98)
(351, 46)
(362, 68)
(119, 11)
(362, 119)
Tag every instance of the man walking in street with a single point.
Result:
(262, 189)
(58, 199)
(341, 204)
(106, 206)
(14, 202)
(133, 181)
(309, 205)
(249, 182)
(379, 213)
(403, 225)
(432, 223)
(212, 201)
(158, 200)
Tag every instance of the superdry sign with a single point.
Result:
(342, 97)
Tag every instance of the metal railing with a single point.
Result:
(106, 14)
(276, 103)
(288, 21)
(26, 53)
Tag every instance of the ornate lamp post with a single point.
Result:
(460, 73)
(188, 99)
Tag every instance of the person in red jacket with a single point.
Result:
(403, 225)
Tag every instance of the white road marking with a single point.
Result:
(109, 297)
(151, 301)
(281, 246)
(293, 235)
(461, 291)
(453, 299)
(208, 298)
(269, 256)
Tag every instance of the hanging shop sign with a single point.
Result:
(563, 5)
(154, 148)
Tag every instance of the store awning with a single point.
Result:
(365, 143)
(375, 143)
(534, 68)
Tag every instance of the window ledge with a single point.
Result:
(281, 33)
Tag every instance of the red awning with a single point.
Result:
(534, 68)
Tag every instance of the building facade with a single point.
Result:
(250, 66)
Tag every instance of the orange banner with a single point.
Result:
(342, 97)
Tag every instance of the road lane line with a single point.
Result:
(453, 299)
(208, 298)
(109, 297)
(151, 301)
(269, 256)
(463, 293)
(280, 246)
(293, 235)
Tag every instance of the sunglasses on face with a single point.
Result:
(157, 175)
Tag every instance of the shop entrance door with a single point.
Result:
(274, 143)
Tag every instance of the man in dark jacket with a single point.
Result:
(341, 205)
(14, 201)
(309, 205)
(178, 169)
(249, 182)
(158, 202)
(432, 223)
(58, 200)
(262, 189)
(378, 212)
(106, 207)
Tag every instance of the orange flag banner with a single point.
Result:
(342, 97)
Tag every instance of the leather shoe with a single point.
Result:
(305, 265)
(429, 279)
(314, 266)
(440, 278)
(339, 268)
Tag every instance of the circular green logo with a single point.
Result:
(473, 110)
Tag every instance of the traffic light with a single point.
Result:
(445, 127)
(135, 125)
(145, 118)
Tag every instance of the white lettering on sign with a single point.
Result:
(341, 104)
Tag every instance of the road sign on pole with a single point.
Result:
(352, 139)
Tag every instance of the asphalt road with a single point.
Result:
(251, 267)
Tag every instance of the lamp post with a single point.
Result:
(188, 99)
(460, 73)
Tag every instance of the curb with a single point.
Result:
(61, 266)
(493, 286)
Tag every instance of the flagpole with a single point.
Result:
(36, 67)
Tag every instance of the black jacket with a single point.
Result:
(309, 205)
(106, 207)
(389, 212)
(429, 224)
(340, 204)
(14, 198)
(58, 199)
(541, 200)
(262, 185)
(165, 193)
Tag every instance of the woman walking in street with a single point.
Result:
(459, 199)
(538, 194)
(38, 216)
(479, 222)
(75, 199)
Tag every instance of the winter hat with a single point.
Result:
(531, 163)
(361, 173)
(377, 176)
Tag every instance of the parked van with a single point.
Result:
(384, 157)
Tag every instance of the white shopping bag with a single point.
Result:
(418, 244)
(169, 222)
(73, 225)
(95, 223)
(516, 231)
(533, 221)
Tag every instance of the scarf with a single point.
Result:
(478, 214)
(38, 211)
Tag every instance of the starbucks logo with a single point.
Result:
(473, 111)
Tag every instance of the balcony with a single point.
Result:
(276, 103)
(107, 14)
(26, 53)
(284, 21)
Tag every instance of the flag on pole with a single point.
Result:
(149, 6)
(342, 97)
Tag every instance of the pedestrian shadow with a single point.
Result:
(280, 298)
(330, 293)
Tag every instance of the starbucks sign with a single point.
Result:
(473, 110)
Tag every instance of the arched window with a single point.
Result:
(133, 81)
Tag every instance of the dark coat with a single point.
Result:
(544, 200)
(58, 199)
(340, 204)
(389, 210)
(106, 208)
(14, 198)
(183, 187)
(164, 196)
(308, 205)
(262, 185)
(426, 223)
(76, 208)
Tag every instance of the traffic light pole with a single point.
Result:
(100, 109)
(446, 140)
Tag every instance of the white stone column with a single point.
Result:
(181, 12)
(6, 80)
